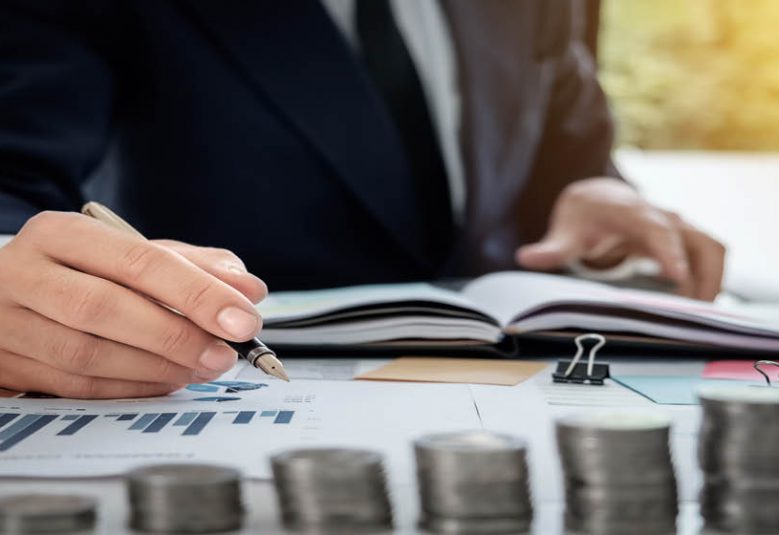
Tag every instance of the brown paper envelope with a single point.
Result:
(453, 370)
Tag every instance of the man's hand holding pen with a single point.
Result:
(75, 319)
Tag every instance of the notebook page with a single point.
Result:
(285, 306)
(514, 296)
(511, 294)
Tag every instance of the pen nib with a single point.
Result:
(272, 366)
(281, 374)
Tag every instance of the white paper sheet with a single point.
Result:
(381, 416)
(610, 394)
(329, 369)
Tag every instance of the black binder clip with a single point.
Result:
(759, 363)
(573, 371)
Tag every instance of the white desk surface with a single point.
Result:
(260, 498)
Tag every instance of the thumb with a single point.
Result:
(553, 252)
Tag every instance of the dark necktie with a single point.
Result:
(390, 65)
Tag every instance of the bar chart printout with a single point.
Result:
(100, 438)
(17, 427)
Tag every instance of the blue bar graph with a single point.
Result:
(198, 424)
(244, 417)
(160, 422)
(78, 424)
(36, 424)
(15, 427)
(7, 418)
(143, 421)
(202, 388)
(185, 419)
(20, 424)
(284, 417)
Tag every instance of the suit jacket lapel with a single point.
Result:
(297, 58)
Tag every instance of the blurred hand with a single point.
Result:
(601, 221)
(74, 321)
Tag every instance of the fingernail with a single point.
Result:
(238, 323)
(218, 357)
(264, 287)
(237, 269)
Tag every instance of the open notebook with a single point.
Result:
(494, 309)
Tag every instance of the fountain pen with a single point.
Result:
(258, 354)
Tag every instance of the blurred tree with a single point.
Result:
(693, 74)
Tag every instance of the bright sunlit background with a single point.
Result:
(693, 74)
(694, 86)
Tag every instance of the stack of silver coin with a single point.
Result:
(332, 490)
(619, 476)
(738, 451)
(185, 498)
(47, 513)
(473, 482)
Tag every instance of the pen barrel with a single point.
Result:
(251, 350)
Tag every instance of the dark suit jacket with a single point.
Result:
(252, 125)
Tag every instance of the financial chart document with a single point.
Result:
(232, 422)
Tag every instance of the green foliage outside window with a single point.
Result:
(693, 74)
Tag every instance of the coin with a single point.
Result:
(618, 473)
(46, 513)
(473, 482)
(474, 526)
(185, 498)
(332, 490)
(738, 455)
